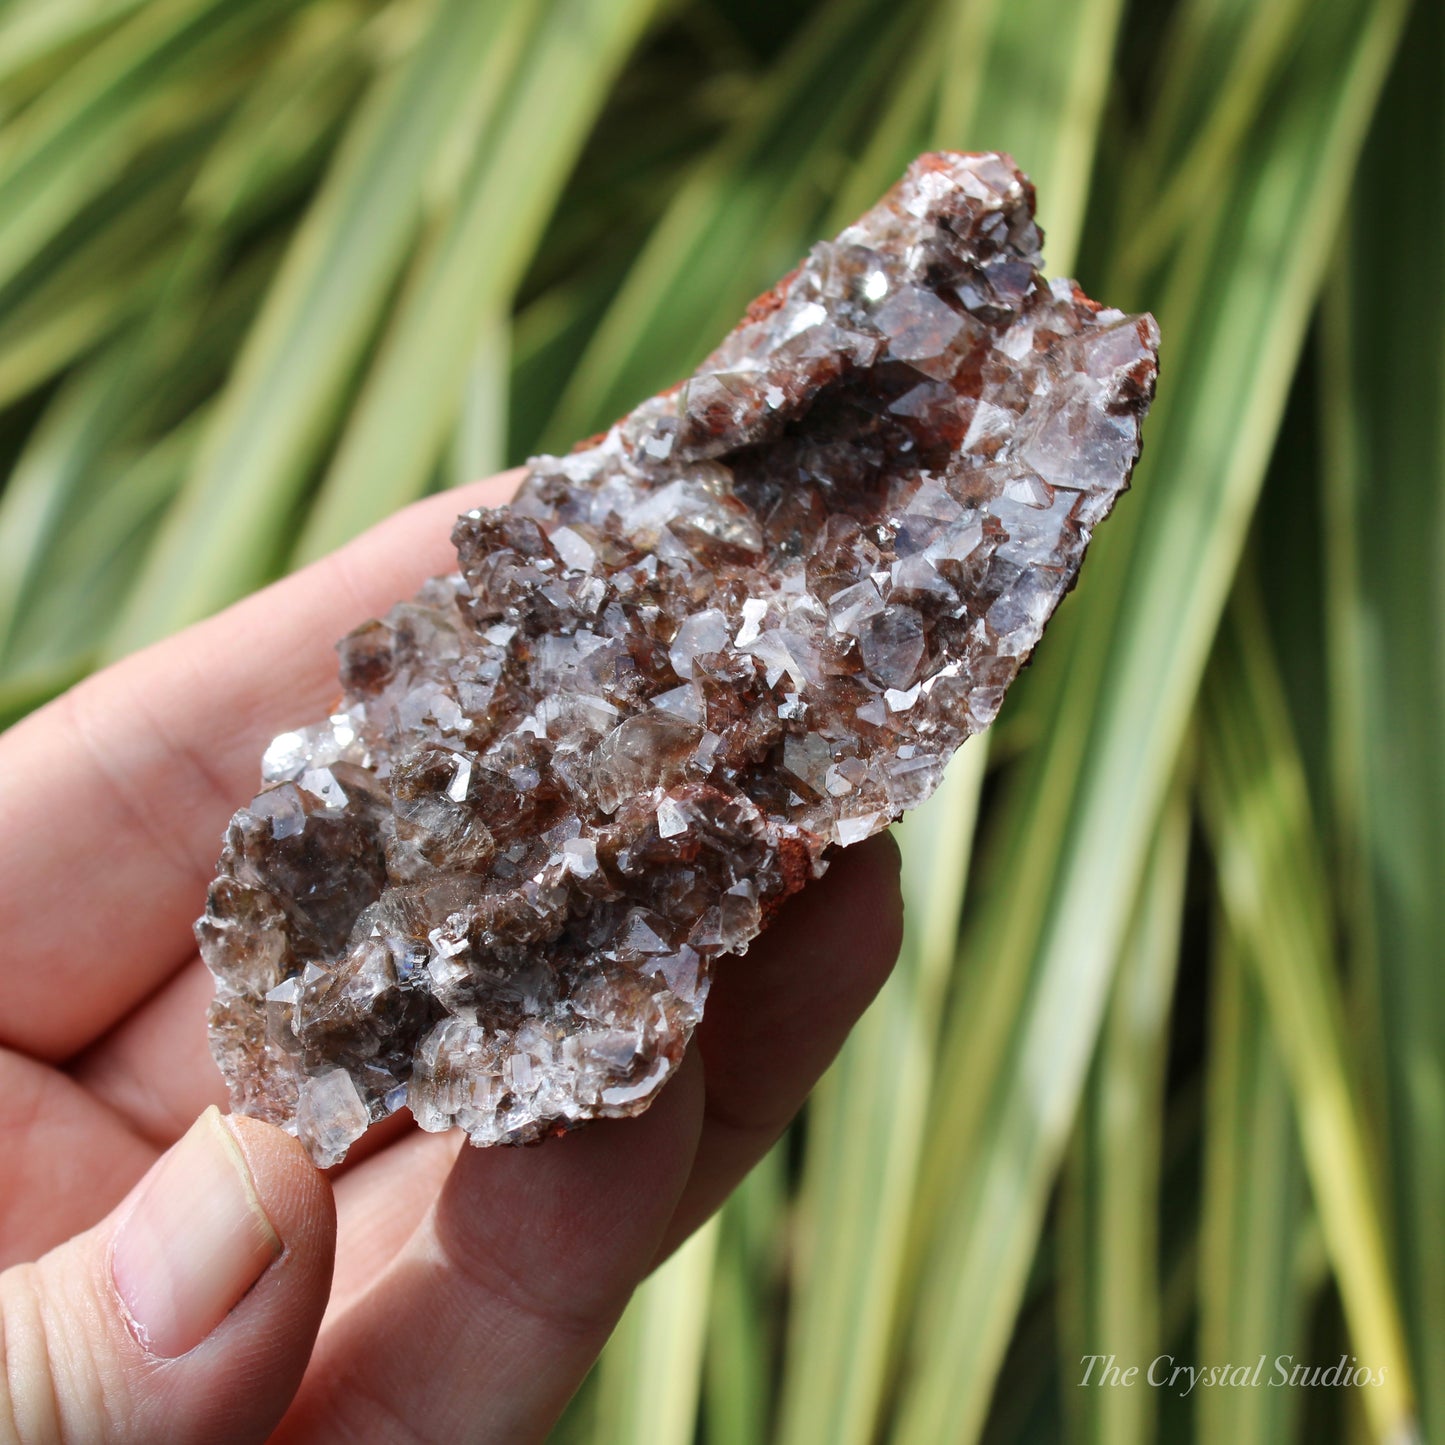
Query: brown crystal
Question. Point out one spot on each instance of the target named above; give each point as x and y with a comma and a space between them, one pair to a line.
750, 623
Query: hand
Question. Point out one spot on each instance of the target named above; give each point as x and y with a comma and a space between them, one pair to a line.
203, 1281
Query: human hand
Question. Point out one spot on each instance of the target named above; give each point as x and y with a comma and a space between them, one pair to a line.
210, 1288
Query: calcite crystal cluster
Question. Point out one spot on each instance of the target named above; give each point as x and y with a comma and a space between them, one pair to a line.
750, 623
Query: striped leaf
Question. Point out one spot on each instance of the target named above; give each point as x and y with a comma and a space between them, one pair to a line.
1109, 1235
414, 393
1060, 887
229, 526
1385, 517
1276, 899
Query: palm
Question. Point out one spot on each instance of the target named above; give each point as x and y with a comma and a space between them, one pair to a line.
112, 802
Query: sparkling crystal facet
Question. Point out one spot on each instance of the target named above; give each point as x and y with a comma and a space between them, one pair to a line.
750, 622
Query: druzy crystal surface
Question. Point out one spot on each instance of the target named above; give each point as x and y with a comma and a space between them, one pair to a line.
748, 624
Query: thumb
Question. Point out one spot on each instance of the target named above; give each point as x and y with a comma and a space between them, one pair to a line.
188, 1313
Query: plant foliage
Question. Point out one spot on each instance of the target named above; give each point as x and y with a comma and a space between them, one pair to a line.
1162, 1069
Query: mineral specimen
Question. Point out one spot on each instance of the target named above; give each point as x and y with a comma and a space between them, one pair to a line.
749, 623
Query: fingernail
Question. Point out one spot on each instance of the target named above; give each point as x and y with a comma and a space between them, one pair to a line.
194, 1242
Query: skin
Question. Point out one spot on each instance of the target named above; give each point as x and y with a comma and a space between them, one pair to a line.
426, 1290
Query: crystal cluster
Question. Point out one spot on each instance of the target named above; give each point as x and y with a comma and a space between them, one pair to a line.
749, 623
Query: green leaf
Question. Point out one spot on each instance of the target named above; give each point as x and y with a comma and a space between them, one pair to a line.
649, 1374
738, 1360
1385, 594
111, 104
479, 447
1277, 900
55, 465
1060, 888
1029, 78
740, 220
1109, 1236
867, 1127
742, 1333
1251, 1303
25, 692
1202, 127
467, 276
129, 412
38, 35
227, 529
97, 549
305, 92
108, 277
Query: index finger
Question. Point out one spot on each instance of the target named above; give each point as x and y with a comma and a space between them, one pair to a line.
113, 798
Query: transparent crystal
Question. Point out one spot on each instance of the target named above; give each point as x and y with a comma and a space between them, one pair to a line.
749, 623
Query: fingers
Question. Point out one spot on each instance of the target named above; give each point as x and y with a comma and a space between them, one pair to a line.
66, 1158
777, 1016
781, 1009
155, 1067
374, 1223
188, 1313
121, 788
485, 1322
546, 1264
512, 1279
775, 1019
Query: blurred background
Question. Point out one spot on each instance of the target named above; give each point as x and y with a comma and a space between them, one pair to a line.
1162, 1070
